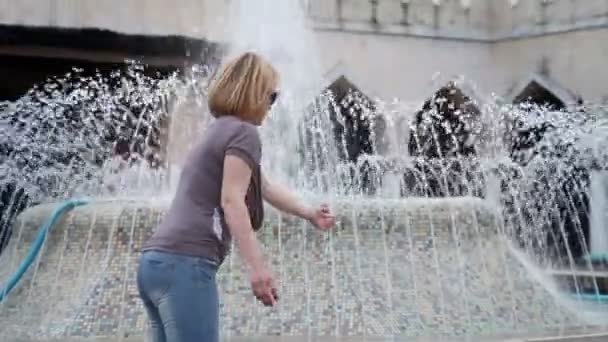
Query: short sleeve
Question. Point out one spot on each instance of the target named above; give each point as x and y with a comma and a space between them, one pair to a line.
245, 143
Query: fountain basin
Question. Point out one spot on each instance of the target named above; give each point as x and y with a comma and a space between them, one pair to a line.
412, 268
590, 284
570, 338
587, 279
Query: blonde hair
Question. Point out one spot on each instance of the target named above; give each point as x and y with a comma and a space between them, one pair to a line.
243, 88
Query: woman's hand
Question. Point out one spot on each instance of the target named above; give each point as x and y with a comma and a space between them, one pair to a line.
262, 284
283, 200
322, 218
237, 175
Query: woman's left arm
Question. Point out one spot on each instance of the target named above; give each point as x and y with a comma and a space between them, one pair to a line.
283, 200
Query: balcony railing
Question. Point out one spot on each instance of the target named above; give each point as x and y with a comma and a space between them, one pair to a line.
470, 19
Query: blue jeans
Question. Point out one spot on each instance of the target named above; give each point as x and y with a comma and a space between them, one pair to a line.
180, 296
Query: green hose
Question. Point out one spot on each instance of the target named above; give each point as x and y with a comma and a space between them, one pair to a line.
37, 245
597, 257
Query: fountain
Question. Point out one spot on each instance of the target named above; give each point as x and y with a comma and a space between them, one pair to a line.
599, 203
589, 279
476, 240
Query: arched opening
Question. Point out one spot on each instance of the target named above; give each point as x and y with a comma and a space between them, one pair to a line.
444, 127
355, 126
442, 137
338, 133
536, 93
351, 114
566, 233
533, 99
66, 123
58, 126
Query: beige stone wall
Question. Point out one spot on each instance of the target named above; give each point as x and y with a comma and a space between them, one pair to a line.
470, 19
494, 44
411, 69
576, 60
195, 18
400, 67
538, 16
419, 17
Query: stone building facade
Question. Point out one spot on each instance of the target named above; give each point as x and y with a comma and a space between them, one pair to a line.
387, 48
547, 50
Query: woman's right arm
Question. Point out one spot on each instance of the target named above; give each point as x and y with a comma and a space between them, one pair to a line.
236, 179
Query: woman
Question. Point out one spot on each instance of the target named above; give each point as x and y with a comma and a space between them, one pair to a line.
219, 197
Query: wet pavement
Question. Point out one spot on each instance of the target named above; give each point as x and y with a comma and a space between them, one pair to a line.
573, 338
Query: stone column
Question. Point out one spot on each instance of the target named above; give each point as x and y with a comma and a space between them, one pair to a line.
405, 12
466, 6
436, 5
543, 12
53, 13
374, 18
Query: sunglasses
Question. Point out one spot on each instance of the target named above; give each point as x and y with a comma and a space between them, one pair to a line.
273, 97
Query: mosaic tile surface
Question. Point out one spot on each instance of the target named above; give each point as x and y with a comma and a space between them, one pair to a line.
408, 267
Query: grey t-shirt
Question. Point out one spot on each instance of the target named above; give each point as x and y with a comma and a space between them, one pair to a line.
194, 224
